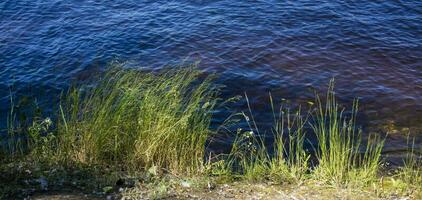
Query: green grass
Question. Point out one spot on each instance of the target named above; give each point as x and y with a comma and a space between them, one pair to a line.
132, 120
141, 120
409, 176
136, 121
342, 158
286, 161
411, 171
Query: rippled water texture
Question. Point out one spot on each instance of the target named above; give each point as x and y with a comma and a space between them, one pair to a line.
373, 49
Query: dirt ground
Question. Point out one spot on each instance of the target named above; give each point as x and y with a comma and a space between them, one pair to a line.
234, 191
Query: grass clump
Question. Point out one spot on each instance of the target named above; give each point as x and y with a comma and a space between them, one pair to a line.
132, 120
286, 161
135, 121
28, 133
411, 171
140, 120
409, 176
342, 159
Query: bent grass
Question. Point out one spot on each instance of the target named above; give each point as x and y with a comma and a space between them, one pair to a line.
342, 159
287, 161
409, 176
134, 121
140, 120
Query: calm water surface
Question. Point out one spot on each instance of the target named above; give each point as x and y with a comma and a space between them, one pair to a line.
373, 49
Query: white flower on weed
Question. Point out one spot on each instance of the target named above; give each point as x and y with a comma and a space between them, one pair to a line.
249, 134
47, 121
246, 118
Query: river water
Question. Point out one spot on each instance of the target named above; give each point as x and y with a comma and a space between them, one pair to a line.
373, 49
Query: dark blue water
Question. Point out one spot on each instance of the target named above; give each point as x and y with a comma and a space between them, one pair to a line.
373, 49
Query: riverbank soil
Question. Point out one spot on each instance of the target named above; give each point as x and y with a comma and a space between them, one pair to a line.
23, 181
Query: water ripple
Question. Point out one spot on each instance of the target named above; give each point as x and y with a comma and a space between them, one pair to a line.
372, 48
